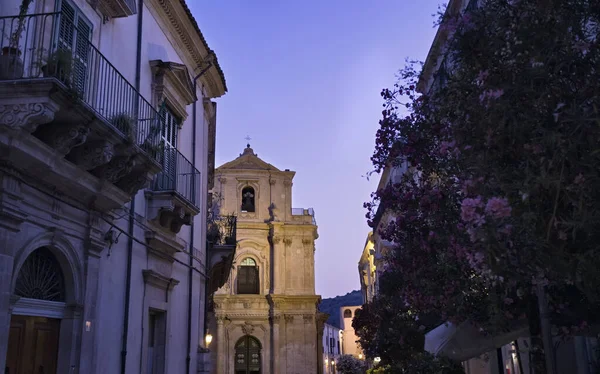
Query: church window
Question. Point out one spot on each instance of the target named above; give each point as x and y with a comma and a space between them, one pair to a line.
347, 313
247, 282
248, 200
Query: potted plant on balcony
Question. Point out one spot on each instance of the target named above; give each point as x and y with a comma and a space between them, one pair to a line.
11, 65
59, 65
126, 124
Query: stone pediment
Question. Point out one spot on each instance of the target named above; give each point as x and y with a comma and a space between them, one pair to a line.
248, 161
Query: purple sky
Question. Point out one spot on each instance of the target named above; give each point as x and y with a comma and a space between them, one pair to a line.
304, 79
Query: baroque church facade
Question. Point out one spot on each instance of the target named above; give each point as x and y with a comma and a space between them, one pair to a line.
265, 318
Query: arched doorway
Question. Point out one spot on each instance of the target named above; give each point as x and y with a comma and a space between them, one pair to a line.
34, 335
247, 356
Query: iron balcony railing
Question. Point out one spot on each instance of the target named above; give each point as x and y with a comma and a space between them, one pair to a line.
305, 212
178, 176
222, 230
50, 45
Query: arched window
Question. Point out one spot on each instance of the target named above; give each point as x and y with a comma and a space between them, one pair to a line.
248, 199
247, 356
347, 313
247, 277
41, 277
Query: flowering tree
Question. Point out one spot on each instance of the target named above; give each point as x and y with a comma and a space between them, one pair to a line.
348, 364
387, 329
503, 192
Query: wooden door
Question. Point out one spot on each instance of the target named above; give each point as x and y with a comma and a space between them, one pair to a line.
32, 345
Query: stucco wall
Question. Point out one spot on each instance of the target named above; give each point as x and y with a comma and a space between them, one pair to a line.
103, 291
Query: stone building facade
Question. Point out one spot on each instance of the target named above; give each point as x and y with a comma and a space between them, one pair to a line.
265, 316
105, 165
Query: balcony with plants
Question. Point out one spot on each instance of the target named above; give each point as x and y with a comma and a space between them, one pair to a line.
221, 243
69, 117
174, 194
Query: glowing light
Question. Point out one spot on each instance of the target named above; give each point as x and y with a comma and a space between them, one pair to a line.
377, 359
208, 339
360, 356
88, 326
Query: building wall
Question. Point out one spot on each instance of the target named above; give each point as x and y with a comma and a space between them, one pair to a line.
331, 353
283, 315
99, 274
349, 341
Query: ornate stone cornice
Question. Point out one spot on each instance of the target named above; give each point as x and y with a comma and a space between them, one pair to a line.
185, 36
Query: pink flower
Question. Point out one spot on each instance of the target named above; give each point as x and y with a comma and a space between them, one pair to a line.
498, 207
482, 76
445, 146
469, 208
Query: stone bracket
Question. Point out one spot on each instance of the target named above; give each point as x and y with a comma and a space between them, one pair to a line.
162, 245
169, 211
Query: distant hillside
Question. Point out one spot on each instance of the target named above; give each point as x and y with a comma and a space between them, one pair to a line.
332, 306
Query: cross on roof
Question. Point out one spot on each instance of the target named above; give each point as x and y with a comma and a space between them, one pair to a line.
248, 138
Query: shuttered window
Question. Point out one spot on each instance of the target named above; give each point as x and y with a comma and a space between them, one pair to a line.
74, 35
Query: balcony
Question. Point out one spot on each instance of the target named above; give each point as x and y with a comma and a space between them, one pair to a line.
302, 215
69, 120
221, 244
174, 195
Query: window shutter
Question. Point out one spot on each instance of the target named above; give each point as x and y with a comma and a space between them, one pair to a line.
81, 55
67, 26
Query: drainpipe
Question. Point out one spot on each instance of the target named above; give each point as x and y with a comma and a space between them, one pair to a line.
132, 204
191, 274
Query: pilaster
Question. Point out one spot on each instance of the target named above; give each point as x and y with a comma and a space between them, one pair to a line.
6, 268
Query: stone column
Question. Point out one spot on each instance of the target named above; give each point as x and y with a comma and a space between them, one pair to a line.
276, 344
221, 344
88, 339
321, 318
11, 217
6, 268
278, 259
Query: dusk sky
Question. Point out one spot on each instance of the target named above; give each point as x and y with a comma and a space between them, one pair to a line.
304, 79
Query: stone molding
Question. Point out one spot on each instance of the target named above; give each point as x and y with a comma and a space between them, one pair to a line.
93, 154
247, 328
163, 246
12, 214
27, 116
169, 211
155, 279
66, 137
171, 81
182, 36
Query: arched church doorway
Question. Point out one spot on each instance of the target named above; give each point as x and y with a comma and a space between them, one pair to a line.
247, 356
34, 326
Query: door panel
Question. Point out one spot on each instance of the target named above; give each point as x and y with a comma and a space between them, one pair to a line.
16, 338
33, 345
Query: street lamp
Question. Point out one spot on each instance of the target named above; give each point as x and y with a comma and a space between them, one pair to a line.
208, 339
360, 356
377, 360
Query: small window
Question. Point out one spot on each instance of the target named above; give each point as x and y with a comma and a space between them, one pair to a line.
247, 282
347, 313
248, 199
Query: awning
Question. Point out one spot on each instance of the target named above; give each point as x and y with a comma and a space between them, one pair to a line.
465, 341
